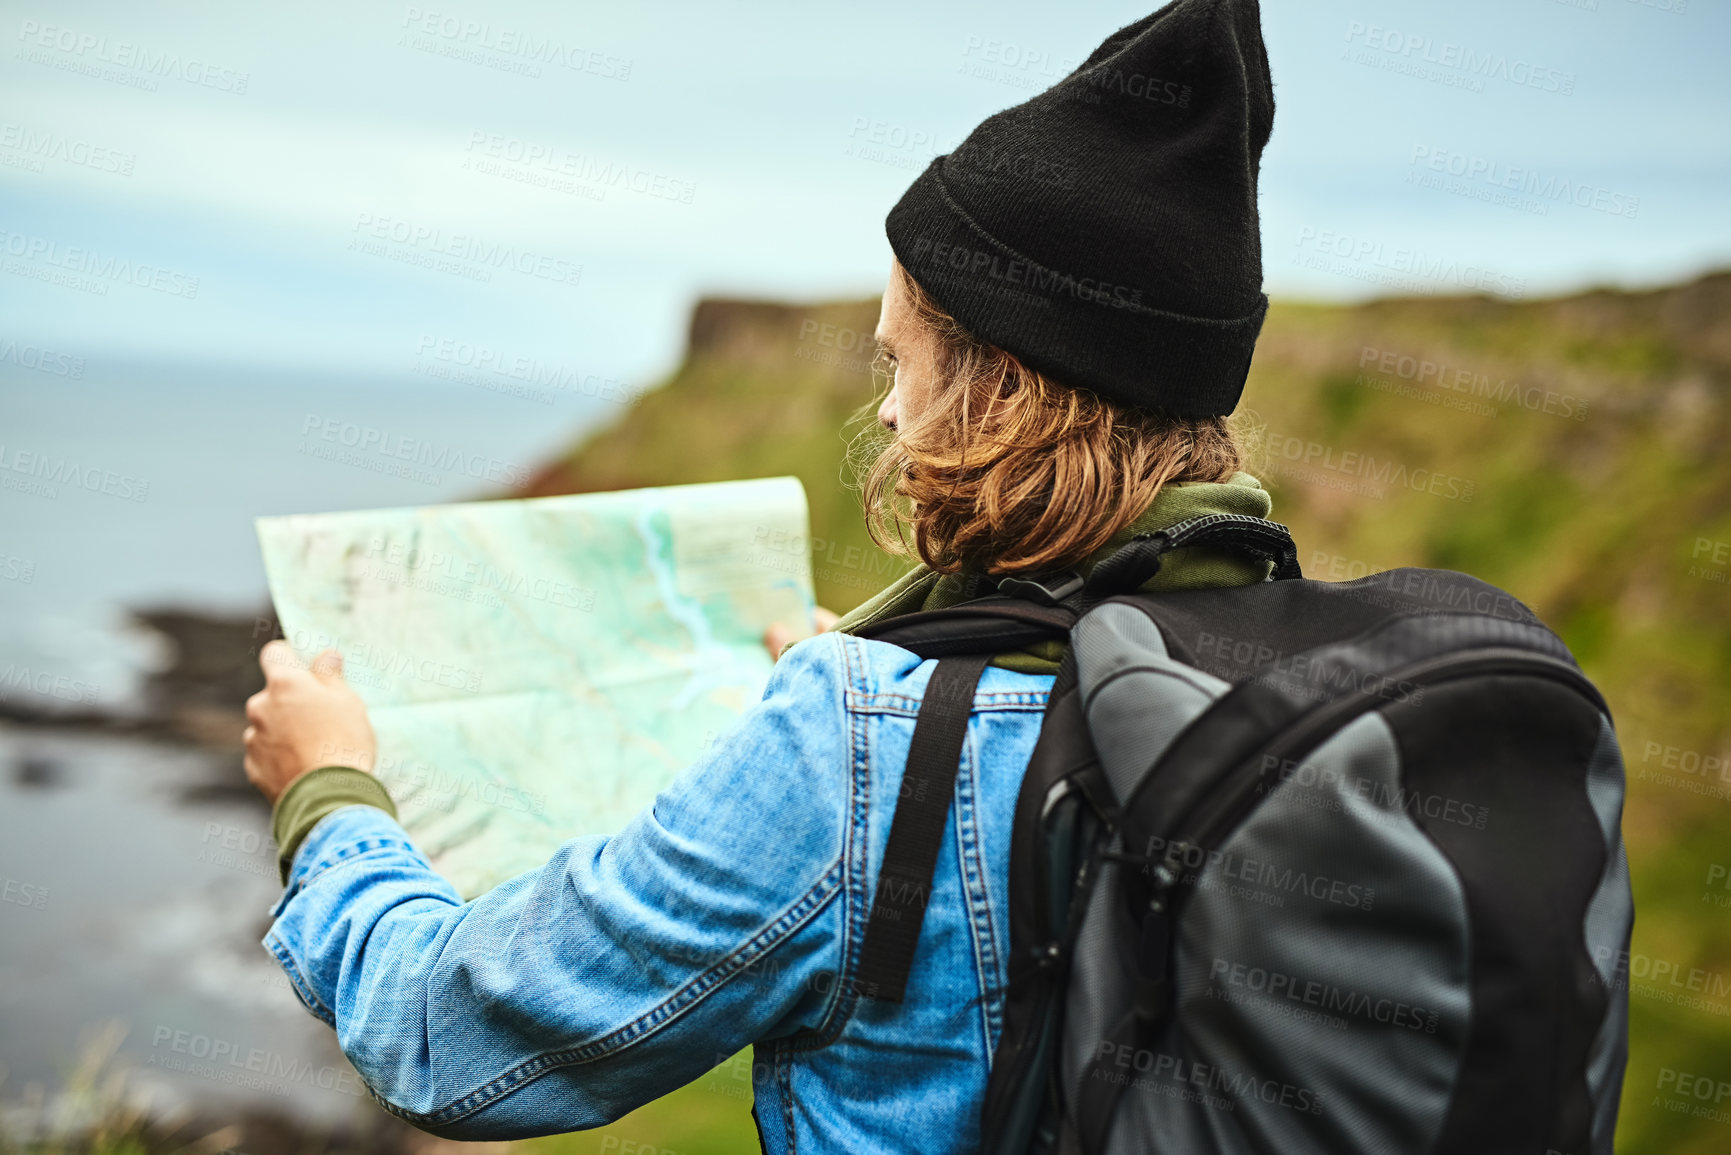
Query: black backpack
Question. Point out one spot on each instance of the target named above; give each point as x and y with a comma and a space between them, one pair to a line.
1297, 867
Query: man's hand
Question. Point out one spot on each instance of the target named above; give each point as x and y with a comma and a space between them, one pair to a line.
303, 719
777, 637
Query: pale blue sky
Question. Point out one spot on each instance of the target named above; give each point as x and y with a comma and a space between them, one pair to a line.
751, 108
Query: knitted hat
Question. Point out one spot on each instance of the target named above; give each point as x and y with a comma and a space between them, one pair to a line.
1105, 232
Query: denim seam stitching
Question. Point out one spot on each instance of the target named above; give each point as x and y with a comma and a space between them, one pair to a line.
854, 688
976, 897
313, 830
279, 950
349, 853
840, 1010
885, 702
858, 849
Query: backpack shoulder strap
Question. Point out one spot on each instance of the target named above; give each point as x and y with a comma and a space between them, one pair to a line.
922, 810
985, 625
1040, 608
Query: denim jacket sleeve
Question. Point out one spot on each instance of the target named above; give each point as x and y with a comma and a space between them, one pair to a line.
625, 967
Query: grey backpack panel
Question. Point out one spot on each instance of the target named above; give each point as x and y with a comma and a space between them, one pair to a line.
1256, 920
1321, 1001
1136, 700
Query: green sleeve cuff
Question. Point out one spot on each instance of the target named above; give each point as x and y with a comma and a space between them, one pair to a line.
314, 795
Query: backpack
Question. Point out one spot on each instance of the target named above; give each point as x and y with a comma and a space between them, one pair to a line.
1296, 867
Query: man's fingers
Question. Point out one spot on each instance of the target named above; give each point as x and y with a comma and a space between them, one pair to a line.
328, 665
255, 712
777, 637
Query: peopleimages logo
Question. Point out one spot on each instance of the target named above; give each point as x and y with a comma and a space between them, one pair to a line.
441, 790
43, 145
104, 267
1044, 283
1442, 375
1121, 1063
1657, 971
227, 1061
375, 234
364, 660
40, 359
82, 48
1523, 179
1138, 85
519, 46
1397, 265
47, 471
1009, 55
25, 894
411, 558
1324, 996
1333, 781
1466, 64
531, 371
1208, 868
450, 458
988, 161
1323, 465
867, 130
578, 166
44, 684
1301, 671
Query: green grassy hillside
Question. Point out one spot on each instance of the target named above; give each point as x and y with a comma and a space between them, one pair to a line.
765, 389
1571, 451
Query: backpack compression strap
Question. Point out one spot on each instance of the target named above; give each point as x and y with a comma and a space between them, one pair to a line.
905, 880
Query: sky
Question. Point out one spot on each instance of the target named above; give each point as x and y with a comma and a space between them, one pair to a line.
306, 188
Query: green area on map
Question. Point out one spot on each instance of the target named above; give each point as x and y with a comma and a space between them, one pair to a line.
539, 669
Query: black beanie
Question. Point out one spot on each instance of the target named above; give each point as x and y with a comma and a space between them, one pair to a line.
1105, 232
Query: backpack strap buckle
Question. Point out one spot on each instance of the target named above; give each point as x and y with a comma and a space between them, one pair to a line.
1049, 589
1139, 560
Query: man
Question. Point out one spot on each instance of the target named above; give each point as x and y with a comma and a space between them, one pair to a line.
1071, 314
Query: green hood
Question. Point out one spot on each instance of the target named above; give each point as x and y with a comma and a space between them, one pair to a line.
1188, 569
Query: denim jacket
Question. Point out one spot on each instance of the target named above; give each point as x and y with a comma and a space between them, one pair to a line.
731, 912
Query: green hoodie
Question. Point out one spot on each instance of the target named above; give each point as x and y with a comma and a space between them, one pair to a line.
1188, 569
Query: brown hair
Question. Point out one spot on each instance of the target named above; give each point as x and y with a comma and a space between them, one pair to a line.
1008, 471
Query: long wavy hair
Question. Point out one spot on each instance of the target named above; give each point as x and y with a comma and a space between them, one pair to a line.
1008, 471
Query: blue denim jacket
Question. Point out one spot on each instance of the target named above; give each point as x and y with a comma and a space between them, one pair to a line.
731, 912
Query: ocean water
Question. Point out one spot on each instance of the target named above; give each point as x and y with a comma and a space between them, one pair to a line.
135, 877
136, 486
135, 888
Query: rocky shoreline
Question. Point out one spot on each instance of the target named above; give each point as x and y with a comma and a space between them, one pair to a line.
198, 699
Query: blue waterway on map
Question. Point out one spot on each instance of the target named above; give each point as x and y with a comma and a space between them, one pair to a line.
709, 662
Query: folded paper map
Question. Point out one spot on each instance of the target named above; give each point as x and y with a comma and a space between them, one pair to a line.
539, 669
